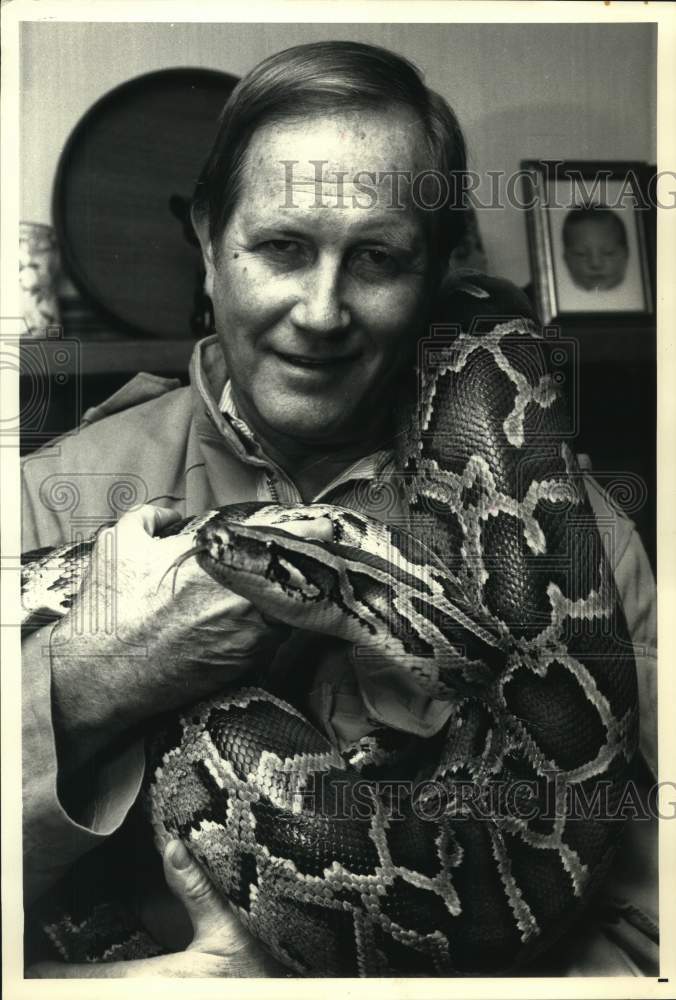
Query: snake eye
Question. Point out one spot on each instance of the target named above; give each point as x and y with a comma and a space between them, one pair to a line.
291, 579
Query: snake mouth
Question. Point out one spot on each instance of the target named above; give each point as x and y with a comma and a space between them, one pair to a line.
217, 553
253, 561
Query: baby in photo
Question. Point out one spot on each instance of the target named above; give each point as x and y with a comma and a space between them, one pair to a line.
595, 248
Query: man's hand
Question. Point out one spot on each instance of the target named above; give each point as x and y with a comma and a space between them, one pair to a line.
146, 635
220, 948
216, 931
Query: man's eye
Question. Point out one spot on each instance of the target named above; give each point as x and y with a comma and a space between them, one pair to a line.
283, 250
375, 263
284, 246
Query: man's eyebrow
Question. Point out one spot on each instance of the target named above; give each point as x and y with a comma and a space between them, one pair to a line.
407, 237
290, 224
272, 227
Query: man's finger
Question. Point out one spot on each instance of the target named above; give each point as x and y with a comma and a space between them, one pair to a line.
209, 915
148, 518
320, 528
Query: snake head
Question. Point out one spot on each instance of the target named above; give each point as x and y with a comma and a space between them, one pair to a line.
275, 570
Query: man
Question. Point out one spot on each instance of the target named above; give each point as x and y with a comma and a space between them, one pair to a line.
323, 267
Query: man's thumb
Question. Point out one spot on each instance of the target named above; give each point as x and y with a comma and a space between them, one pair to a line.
209, 915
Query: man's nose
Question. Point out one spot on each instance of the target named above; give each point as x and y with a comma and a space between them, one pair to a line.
320, 307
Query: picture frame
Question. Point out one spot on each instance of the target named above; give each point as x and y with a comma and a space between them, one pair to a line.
591, 239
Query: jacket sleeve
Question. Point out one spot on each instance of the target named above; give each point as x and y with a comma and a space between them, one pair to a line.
636, 586
55, 837
638, 593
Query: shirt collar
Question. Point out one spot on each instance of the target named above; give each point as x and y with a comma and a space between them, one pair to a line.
227, 403
210, 379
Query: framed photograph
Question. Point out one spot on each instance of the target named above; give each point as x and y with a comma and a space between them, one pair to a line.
590, 236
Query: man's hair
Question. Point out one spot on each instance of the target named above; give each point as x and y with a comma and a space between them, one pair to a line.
593, 213
323, 77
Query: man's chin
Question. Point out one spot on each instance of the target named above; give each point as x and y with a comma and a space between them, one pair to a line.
314, 433
311, 425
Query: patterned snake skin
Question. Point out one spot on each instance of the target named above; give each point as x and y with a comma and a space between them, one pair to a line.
467, 853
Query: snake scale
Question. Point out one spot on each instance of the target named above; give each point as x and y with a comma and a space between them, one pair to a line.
460, 854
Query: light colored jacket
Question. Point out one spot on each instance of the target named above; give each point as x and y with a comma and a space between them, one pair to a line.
157, 441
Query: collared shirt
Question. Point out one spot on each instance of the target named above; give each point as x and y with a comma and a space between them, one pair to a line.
368, 469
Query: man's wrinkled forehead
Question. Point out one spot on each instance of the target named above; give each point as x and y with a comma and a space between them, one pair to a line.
353, 159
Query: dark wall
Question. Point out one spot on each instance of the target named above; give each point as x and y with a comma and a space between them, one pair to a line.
618, 431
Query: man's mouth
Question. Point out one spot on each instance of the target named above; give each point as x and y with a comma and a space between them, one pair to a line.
312, 361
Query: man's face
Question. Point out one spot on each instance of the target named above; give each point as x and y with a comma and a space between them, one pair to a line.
595, 256
317, 297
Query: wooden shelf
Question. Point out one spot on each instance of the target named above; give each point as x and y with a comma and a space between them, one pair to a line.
110, 357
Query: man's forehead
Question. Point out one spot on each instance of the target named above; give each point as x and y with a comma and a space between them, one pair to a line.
348, 146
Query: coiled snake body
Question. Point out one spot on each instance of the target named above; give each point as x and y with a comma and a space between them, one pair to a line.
462, 854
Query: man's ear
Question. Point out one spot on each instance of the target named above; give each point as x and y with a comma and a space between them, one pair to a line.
200, 223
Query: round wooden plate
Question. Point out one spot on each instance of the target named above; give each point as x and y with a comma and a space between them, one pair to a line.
122, 188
